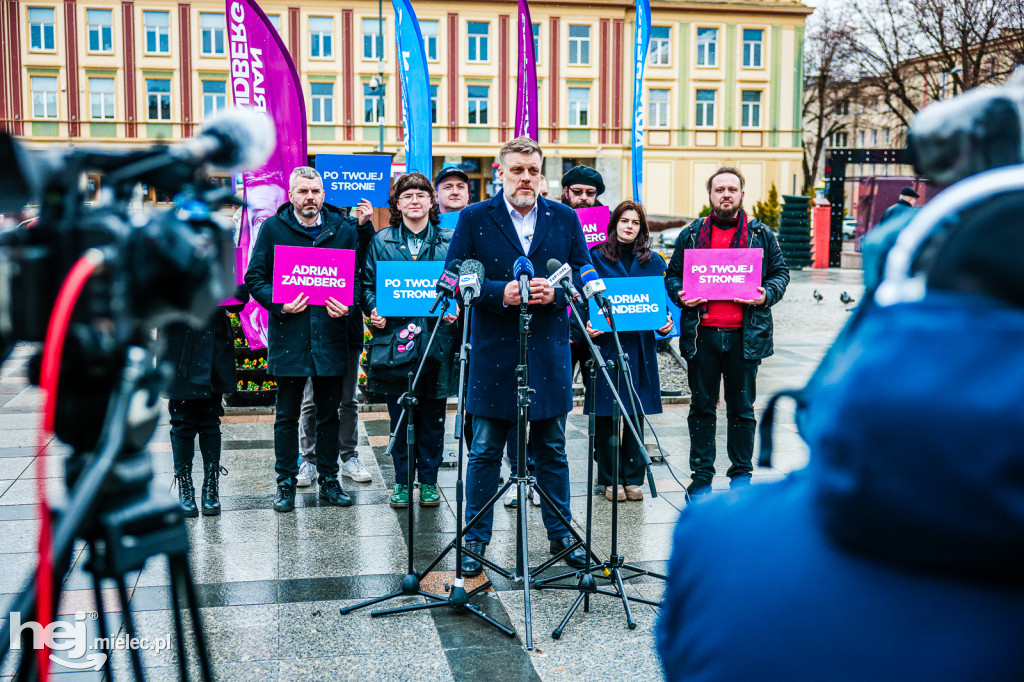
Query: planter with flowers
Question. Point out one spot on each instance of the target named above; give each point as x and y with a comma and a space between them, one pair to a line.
255, 387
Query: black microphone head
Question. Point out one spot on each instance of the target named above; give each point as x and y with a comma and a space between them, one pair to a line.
454, 265
246, 138
553, 266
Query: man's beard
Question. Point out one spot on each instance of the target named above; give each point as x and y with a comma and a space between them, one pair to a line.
572, 202
309, 211
519, 201
728, 214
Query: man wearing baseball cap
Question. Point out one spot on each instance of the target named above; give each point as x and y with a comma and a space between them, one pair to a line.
452, 187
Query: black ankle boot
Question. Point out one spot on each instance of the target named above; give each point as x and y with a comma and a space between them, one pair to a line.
211, 493
186, 491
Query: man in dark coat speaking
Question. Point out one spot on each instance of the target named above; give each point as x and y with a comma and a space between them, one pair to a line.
515, 223
304, 340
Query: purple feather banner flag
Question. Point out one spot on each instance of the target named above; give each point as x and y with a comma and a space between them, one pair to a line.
526, 90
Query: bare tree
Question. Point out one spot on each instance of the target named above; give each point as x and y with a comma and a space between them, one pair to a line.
830, 84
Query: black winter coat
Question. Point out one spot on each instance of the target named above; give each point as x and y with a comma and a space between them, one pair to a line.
438, 380
310, 343
757, 320
203, 359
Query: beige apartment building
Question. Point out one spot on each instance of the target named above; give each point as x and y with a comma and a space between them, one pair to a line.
723, 83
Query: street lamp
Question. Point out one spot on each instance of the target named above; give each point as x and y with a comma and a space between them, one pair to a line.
377, 86
945, 74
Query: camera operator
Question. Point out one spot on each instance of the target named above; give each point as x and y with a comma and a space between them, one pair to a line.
304, 341
204, 361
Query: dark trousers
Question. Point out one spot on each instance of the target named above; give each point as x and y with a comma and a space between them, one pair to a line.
720, 357
631, 468
326, 397
348, 429
511, 443
190, 418
429, 433
547, 440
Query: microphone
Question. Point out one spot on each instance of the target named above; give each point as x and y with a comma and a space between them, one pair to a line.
522, 270
593, 286
234, 138
562, 274
448, 282
471, 277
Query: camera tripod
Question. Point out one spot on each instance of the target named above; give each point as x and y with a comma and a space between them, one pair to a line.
123, 523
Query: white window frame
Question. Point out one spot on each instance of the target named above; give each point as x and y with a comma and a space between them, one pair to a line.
45, 92
840, 140
214, 96
659, 111
213, 32
378, 106
160, 96
473, 107
377, 35
705, 110
538, 29
752, 44
707, 50
751, 110
47, 29
482, 43
659, 52
428, 38
158, 31
101, 30
321, 41
105, 98
321, 108
579, 107
581, 44
434, 89
275, 21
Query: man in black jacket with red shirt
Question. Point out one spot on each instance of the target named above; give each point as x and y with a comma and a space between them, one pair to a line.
304, 340
725, 340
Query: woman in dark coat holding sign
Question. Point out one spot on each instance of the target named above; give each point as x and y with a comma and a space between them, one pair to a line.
397, 343
627, 253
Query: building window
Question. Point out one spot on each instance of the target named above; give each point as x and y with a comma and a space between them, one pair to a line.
322, 98
579, 107
158, 97
100, 24
840, 139
874, 137
579, 45
321, 37
660, 46
373, 105
158, 31
41, 28
860, 139
536, 42
476, 104
753, 46
373, 39
430, 32
477, 35
750, 114
44, 96
887, 137
214, 97
707, 42
101, 98
211, 34
705, 115
657, 106
275, 21
843, 108
433, 104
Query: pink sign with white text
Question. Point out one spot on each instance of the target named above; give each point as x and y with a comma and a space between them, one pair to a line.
317, 273
595, 224
722, 274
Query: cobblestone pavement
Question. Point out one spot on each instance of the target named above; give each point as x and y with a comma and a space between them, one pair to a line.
271, 585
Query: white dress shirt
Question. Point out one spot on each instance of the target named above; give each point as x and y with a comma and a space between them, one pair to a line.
524, 224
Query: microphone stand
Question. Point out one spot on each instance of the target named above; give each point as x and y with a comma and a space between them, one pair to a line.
457, 597
613, 567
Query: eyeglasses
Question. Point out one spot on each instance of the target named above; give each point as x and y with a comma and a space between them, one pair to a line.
419, 196
581, 192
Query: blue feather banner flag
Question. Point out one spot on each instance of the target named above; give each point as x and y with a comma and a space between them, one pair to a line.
412, 60
641, 38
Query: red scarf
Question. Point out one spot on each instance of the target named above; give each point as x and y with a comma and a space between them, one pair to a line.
740, 240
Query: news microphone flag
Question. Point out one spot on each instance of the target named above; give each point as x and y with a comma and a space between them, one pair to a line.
412, 64
640, 41
526, 85
263, 77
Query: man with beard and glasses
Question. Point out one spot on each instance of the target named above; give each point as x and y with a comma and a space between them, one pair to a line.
513, 224
581, 187
305, 341
725, 340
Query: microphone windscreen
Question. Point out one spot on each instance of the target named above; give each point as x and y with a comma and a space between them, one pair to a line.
521, 266
246, 138
553, 266
454, 265
472, 267
588, 274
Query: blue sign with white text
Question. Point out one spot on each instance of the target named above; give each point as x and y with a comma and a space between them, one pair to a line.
638, 304
407, 288
677, 314
349, 178
450, 220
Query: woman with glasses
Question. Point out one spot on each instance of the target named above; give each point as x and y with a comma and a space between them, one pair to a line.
626, 253
397, 343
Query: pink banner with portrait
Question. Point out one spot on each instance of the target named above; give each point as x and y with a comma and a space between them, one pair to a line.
317, 273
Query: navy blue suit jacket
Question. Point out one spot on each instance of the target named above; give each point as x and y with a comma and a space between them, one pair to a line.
485, 233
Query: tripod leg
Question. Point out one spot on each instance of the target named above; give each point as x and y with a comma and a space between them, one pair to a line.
630, 621
101, 619
129, 625
487, 619
561, 626
179, 628
184, 574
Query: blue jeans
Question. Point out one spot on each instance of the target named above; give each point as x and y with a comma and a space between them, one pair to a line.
547, 440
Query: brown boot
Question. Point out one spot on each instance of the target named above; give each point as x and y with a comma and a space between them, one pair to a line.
634, 492
608, 493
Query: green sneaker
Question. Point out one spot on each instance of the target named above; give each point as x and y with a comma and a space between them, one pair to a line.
400, 496
429, 496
